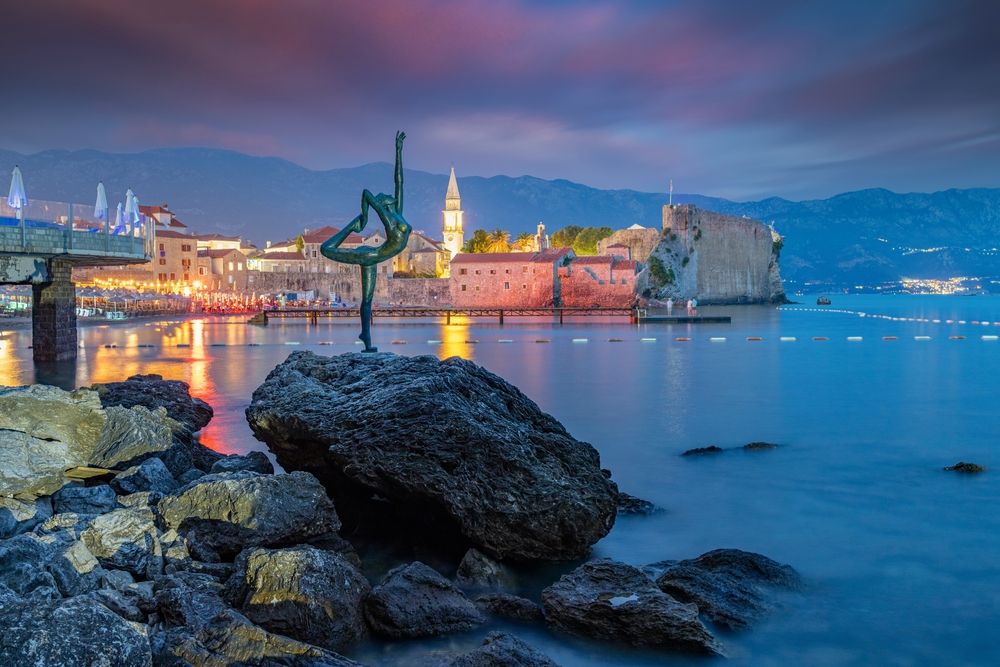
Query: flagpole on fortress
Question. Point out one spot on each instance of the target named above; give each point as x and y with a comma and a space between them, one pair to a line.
671, 193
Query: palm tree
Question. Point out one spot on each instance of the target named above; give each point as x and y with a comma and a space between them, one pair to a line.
524, 241
499, 241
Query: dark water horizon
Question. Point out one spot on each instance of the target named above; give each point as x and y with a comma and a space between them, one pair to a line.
901, 557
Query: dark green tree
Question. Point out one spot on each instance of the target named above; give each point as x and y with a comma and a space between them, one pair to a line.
480, 242
564, 237
585, 242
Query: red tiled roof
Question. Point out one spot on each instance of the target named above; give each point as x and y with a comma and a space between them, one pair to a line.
492, 258
167, 234
151, 210
281, 255
616, 245
323, 234
625, 265
551, 255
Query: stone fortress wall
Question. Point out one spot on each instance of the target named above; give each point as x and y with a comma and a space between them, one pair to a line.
718, 258
347, 287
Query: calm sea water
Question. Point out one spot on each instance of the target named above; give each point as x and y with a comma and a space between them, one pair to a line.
902, 558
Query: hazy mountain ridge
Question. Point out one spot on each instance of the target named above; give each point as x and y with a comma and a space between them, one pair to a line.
828, 240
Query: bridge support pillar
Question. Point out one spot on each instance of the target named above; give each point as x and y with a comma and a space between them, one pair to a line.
53, 316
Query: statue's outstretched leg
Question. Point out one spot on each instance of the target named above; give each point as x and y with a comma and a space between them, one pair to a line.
368, 274
331, 247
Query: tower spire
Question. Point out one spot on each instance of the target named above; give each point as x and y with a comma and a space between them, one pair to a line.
452, 194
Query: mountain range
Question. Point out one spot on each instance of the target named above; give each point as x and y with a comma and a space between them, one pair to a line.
867, 237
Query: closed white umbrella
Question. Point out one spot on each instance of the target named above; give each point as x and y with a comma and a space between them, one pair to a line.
17, 199
131, 206
120, 220
101, 207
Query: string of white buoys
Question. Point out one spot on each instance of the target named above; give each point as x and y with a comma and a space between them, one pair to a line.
984, 323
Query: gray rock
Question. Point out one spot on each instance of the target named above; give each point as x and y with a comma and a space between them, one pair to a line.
730, 587
43, 432
64, 633
133, 434
480, 571
19, 515
228, 512
69, 523
125, 539
303, 593
230, 640
631, 505
253, 462
187, 602
116, 580
191, 475
703, 450
511, 607
441, 439
415, 601
755, 446
141, 500
502, 649
150, 475
7, 596
49, 562
152, 391
610, 601
174, 550
962, 466
125, 603
85, 499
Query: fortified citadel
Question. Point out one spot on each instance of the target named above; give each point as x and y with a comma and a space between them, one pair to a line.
712, 257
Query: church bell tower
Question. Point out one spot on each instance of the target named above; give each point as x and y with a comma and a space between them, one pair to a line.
454, 237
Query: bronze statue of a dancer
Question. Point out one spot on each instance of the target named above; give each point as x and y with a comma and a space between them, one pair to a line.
397, 233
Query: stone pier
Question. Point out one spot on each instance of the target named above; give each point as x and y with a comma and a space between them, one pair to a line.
53, 318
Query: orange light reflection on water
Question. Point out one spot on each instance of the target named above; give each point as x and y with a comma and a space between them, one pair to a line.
454, 337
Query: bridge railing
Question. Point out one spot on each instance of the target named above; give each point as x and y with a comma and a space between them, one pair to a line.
82, 230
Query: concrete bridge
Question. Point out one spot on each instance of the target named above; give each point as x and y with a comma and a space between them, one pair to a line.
43, 252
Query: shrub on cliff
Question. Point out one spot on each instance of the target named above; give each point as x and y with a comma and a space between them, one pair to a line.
660, 273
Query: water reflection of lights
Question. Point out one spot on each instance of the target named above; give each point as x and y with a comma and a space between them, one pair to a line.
453, 337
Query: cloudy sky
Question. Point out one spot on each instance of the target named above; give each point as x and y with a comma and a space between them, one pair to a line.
734, 98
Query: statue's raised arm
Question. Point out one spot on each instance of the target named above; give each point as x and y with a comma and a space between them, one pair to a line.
399, 171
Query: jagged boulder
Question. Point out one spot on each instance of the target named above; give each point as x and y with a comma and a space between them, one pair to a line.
132, 604
125, 539
304, 593
228, 512
253, 462
61, 633
478, 570
230, 640
415, 601
189, 601
442, 439
19, 515
730, 587
502, 649
132, 434
150, 475
85, 499
48, 566
152, 391
511, 607
614, 602
43, 432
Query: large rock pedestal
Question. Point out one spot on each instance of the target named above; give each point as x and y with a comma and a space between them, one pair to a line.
446, 442
53, 316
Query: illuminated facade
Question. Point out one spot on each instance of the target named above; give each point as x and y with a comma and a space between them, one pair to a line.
454, 236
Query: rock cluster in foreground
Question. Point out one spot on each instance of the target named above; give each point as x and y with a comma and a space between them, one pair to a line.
443, 439
181, 557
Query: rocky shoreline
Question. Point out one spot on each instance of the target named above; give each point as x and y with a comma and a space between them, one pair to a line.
124, 541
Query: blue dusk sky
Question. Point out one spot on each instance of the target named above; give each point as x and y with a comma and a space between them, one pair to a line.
733, 98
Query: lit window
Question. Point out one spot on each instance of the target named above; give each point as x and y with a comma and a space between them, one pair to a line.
163, 262
524, 269
230, 266
477, 288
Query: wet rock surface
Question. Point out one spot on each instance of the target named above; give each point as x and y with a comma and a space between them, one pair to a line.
85, 499
415, 601
732, 588
125, 539
48, 566
227, 512
477, 570
703, 450
962, 466
252, 462
631, 505
502, 649
21, 514
132, 434
304, 593
611, 601
755, 446
446, 439
510, 607
152, 391
62, 633
150, 475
